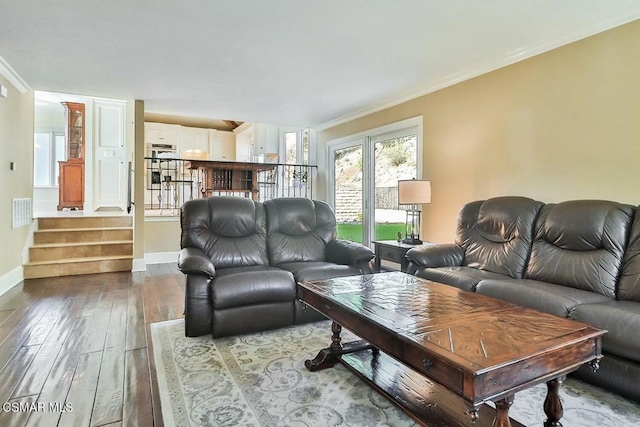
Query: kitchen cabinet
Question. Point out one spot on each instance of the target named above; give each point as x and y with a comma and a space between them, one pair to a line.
157, 133
254, 140
192, 140
223, 145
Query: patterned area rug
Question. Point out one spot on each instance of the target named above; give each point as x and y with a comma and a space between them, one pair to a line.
260, 380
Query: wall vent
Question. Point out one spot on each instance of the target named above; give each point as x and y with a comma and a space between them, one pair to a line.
21, 214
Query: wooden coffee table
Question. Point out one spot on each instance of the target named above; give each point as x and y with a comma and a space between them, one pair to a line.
441, 353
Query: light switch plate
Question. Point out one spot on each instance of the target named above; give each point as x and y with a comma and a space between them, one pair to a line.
3, 91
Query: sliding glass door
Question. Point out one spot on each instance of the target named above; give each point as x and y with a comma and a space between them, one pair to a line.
348, 191
363, 180
395, 158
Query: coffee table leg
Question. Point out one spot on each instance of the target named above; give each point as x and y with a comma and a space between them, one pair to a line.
336, 329
502, 412
552, 403
328, 357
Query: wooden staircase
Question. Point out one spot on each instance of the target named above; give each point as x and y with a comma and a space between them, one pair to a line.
67, 246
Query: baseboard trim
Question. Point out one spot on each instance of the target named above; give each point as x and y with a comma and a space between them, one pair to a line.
10, 279
139, 265
161, 257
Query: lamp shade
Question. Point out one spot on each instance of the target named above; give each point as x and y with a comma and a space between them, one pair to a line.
414, 192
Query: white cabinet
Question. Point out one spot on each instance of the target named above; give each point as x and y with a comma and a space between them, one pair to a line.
184, 141
223, 145
193, 141
158, 133
245, 140
254, 140
266, 140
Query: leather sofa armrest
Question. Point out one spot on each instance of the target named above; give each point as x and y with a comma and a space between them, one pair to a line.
348, 253
198, 310
440, 255
194, 261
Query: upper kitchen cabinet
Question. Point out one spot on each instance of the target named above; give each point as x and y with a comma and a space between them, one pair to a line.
254, 140
159, 133
185, 142
193, 142
223, 145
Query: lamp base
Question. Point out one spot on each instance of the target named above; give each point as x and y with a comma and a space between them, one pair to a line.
412, 241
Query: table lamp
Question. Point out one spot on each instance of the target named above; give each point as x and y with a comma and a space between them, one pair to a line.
413, 192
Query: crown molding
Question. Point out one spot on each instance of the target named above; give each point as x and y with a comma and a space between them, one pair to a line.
10, 74
488, 66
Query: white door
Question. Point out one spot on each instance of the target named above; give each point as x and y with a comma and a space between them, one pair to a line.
395, 157
110, 184
348, 172
364, 170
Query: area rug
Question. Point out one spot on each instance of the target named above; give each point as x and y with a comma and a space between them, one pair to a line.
260, 380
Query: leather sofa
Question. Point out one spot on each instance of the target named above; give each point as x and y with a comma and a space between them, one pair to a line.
242, 260
578, 259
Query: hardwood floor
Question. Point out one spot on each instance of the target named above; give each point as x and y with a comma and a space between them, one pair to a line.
84, 342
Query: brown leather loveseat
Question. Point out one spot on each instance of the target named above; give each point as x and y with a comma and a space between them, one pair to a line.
242, 260
578, 259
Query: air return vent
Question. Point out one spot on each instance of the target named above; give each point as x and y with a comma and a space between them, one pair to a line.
21, 214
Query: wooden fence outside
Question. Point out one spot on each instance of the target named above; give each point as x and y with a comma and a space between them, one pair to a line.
349, 202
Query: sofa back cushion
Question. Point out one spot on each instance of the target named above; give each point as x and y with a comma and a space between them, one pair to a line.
629, 283
298, 229
581, 244
230, 230
496, 234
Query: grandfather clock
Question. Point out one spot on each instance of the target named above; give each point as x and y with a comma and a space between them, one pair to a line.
71, 183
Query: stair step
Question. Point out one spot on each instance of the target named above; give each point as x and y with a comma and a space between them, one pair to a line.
57, 251
85, 222
72, 245
76, 266
77, 235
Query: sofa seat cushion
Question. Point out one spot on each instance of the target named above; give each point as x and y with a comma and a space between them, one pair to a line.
543, 296
621, 319
238, 286
465, 278
616, 374
252, 318
318, 270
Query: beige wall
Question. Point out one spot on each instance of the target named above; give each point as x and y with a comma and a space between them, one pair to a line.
16, 145
162, 236
562, 125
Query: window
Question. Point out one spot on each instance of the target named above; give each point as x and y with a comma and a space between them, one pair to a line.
295, 154
362, 182
296, 147
48, 150
291, 147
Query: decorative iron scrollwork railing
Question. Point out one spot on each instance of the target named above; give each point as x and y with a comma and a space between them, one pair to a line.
170, 182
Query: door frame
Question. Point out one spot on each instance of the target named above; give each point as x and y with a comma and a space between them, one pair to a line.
367, 139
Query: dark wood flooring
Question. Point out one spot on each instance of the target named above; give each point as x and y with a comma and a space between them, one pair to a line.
84, 342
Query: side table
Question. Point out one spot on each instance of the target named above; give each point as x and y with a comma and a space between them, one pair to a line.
391, 250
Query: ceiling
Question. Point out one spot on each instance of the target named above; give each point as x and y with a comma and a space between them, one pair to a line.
284, 62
